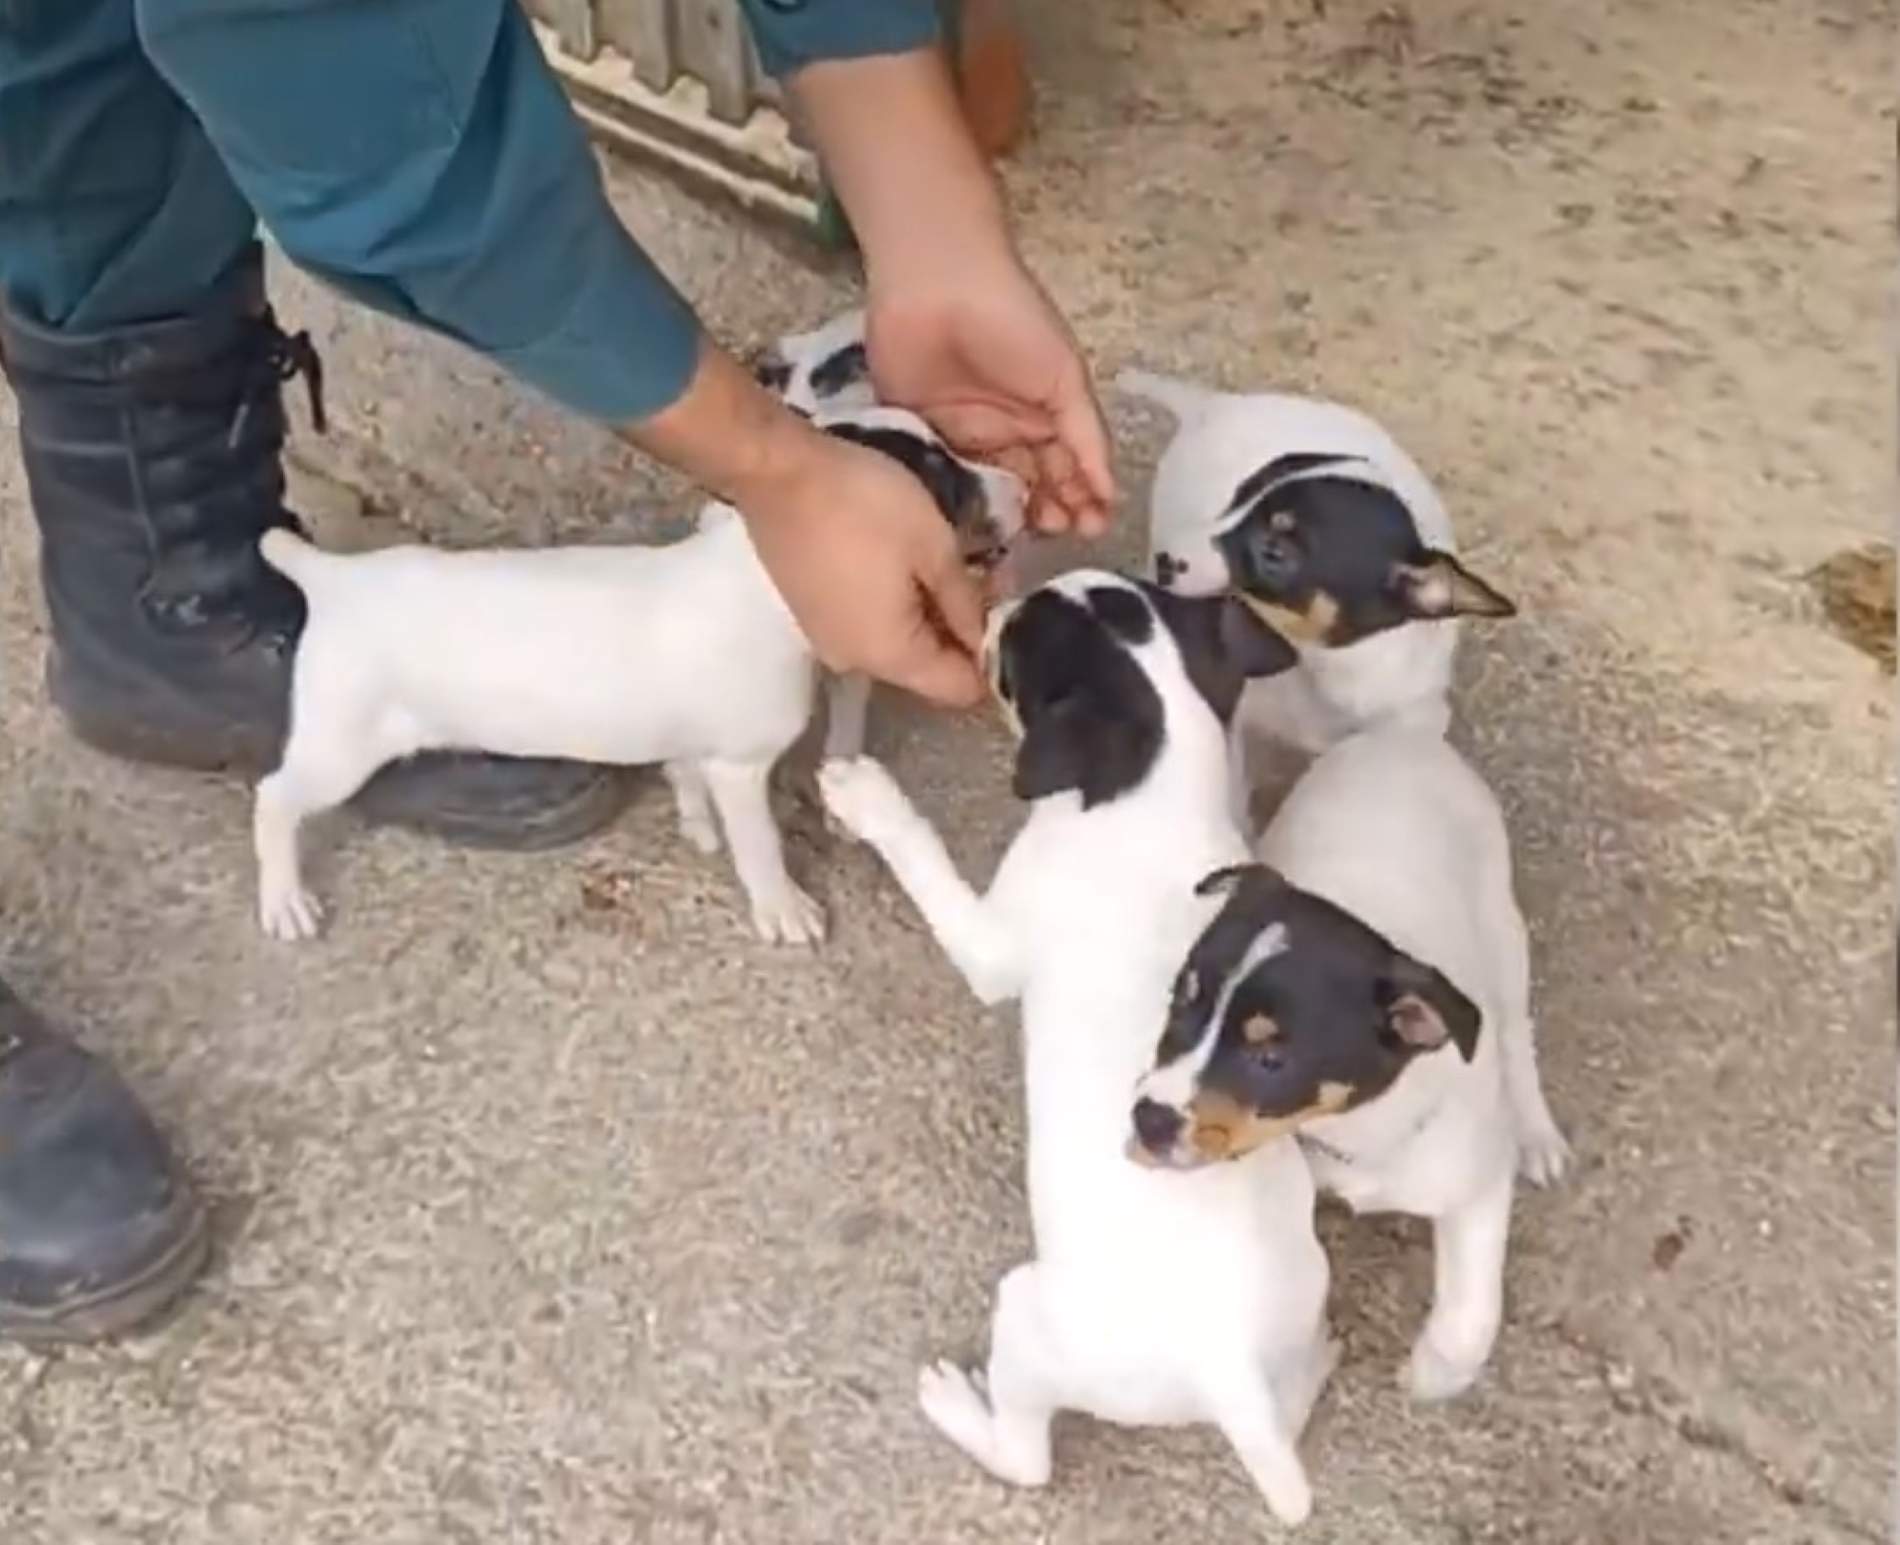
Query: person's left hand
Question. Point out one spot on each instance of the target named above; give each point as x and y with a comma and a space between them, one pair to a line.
971, 342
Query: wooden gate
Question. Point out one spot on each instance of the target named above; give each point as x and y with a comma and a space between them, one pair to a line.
679, 83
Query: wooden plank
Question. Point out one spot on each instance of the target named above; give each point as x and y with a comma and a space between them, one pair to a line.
712, 49
645, 31
573, 23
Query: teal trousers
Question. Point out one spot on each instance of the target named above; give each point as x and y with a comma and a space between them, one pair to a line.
417, 154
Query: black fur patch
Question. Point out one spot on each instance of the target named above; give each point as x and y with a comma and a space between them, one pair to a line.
837, 371
774, 375
953, 487
1091, 718
1257, 482
1318, 1012
1223, 646
1327, 542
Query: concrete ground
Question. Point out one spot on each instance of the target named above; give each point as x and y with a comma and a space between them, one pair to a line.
550, 1207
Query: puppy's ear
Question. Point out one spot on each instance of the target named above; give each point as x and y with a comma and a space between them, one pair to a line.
1222, 882
1253, 647
1441, 587
1423, 1010
1049, 757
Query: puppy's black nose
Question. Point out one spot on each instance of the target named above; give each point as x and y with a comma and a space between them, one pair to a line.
1156, 1125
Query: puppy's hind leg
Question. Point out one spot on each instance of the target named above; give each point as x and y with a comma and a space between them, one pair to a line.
1542, 1153
1001, 1418
781, 912
1298, 1384
693, 800
1245, 1407
1468, 1246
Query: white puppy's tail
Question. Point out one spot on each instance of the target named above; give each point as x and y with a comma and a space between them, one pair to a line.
1183, 399
291, 556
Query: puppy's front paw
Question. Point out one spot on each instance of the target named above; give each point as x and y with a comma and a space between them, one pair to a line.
1432, 1375
1542, 1154
786, 915
863, 798
289, 914
954, 1400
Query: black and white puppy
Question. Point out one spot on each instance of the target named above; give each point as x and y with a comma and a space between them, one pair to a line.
1366, 984
1316, 517
822, 370
683, 654
824, 373
1155, 1297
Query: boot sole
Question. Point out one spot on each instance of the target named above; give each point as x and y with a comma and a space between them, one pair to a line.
124, 1306
534, 826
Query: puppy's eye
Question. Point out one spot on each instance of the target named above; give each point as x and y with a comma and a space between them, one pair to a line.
1268, 1060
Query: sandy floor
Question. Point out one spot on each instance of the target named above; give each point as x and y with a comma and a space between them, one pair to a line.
552, 1208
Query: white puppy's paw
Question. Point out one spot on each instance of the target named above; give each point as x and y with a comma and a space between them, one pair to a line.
864, 799
1542, 1154
954, 1400
786, 915
1432, 1375
1291, 1502
289, 913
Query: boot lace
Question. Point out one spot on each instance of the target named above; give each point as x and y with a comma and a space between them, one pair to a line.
284, 357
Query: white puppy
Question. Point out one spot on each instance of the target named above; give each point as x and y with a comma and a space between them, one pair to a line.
1317, 518
1368, 985
1154, 1297
825, 372
683, 655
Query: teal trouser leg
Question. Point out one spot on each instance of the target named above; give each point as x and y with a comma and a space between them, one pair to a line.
418, 154
114, 208
421, 155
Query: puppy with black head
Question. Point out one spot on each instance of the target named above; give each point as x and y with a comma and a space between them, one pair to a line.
826, 375
683, 654
1317, 518
1366, 985
1155, 1296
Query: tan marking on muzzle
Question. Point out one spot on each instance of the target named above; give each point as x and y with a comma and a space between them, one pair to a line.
1219, 1127
1312, 626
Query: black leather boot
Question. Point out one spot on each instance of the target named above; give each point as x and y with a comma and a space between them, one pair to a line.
152, 456
98, 1229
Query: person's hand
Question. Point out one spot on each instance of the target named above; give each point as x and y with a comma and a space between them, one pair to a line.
974, 345
856, 547
870, 569
957, 329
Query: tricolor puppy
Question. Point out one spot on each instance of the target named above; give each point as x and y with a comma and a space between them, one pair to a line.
824, 370
684, 655
1366, 984
824, 373
1155, 1296
1314, 515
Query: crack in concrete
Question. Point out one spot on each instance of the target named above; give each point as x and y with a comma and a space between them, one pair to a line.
1657, 1398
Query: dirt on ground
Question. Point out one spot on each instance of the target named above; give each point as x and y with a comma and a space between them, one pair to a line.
551, 1207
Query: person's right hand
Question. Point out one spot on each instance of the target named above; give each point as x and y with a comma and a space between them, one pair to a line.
857, 548
869, 568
